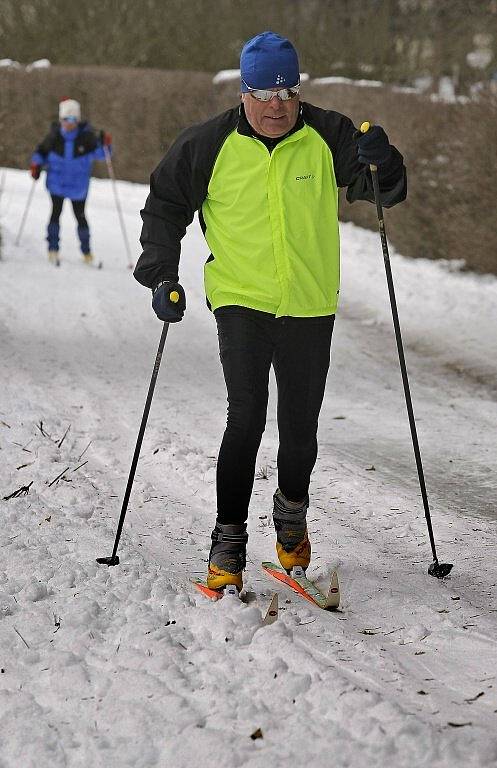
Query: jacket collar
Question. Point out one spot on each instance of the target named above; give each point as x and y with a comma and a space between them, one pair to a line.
245, 129
77, 131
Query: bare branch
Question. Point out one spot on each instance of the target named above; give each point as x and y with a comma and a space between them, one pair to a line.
80, 457
63, 436
22, 491
58, 477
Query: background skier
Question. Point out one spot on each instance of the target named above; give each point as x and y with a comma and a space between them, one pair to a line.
67, 154
264, 177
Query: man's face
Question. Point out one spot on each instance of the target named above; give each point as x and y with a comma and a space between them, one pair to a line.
69, 123
271, 118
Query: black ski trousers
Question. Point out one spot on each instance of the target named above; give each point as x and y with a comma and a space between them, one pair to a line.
78, 207
299, 350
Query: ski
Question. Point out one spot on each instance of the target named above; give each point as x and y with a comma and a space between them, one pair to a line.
272, 611
93, 264
212, 594
269, 617
299, 582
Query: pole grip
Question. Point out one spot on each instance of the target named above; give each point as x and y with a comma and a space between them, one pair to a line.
365, 126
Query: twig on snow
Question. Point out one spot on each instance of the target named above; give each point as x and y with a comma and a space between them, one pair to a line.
63, 436
58, 477
80, 457
40, 427
81, 465
474, 698
21, 466
23, 640
22, 491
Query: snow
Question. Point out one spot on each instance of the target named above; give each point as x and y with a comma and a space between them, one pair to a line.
129, 666
226, 75
38, 64
480, 59
406, 89
10, 64
335, 80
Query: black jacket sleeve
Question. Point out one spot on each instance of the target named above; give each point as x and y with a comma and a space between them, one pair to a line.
338, 132
178, 187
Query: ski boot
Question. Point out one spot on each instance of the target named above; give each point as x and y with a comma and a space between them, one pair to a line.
292, 542
53, 257
227, 557
88, 258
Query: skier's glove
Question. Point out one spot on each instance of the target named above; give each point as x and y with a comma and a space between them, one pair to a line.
169, 301
373, 147
105, 138
35, 170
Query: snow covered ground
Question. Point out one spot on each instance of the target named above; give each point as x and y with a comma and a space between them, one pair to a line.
129, 666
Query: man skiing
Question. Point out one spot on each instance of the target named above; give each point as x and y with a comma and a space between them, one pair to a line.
264, 177
67, 154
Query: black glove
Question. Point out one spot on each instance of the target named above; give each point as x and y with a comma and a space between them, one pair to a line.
373, 147
169, 301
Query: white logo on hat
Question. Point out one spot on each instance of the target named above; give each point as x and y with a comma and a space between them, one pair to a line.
280, 79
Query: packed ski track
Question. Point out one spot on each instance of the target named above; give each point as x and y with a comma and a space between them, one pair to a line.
130, 666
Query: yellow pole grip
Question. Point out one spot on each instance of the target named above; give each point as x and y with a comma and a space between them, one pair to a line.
364, 129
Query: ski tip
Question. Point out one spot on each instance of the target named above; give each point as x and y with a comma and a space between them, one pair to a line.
329, 600
333, 593
272, 612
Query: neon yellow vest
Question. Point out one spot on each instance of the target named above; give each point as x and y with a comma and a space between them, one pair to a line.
272, 226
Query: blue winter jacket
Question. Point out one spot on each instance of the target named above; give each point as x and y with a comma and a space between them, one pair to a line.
68, 157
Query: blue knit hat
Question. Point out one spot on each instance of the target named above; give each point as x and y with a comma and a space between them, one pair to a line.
268, 61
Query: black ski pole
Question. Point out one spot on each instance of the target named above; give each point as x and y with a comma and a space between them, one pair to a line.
114, 559
435, 569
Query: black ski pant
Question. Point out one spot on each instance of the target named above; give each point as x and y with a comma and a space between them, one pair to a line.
299, 350
78, 207
53, 230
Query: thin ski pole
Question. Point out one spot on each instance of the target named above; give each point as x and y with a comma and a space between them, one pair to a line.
435, 569
25, 214
112, 177
114, 559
